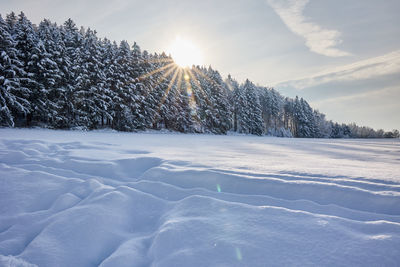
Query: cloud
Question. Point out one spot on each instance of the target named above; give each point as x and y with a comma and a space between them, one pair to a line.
384, 95
365, 69
377, 108
319, 40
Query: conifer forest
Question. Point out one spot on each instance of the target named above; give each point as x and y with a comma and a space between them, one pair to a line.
65, 77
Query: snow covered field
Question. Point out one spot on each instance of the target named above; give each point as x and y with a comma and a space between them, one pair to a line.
71, 198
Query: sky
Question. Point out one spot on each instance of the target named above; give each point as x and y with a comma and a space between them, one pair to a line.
342, 56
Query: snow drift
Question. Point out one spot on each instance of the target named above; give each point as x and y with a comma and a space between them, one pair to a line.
121, 199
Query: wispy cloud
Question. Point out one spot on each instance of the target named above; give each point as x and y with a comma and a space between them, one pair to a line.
385, 95
365, 69
319, 40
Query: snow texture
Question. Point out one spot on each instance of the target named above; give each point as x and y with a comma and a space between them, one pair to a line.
104, 198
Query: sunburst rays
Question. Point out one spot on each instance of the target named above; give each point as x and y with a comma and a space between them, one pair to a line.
170, 85
179, 78
164, 76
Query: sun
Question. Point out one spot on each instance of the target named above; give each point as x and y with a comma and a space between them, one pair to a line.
185, 53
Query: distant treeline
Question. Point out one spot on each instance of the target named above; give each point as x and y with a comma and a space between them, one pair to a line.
63, 77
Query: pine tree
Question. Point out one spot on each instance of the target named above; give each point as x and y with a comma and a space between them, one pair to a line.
13, 96
240, 108
138, 71
92, 102
162, 65
305, 119
219, 95
253, 118
52, 60
70, 67
288, 117
112, 81
32, 54
123, 85
200, 98
183, 121
233, 87
149, 105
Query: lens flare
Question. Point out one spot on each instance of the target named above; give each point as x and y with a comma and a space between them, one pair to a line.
218, 188
238, 254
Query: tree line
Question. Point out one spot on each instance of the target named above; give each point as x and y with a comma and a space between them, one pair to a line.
62, 77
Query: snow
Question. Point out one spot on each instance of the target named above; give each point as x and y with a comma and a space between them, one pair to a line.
105, 198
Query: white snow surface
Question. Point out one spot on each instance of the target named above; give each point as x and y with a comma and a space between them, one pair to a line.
104, 198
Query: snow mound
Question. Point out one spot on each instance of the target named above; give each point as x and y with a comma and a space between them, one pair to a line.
11, 261
122, 199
